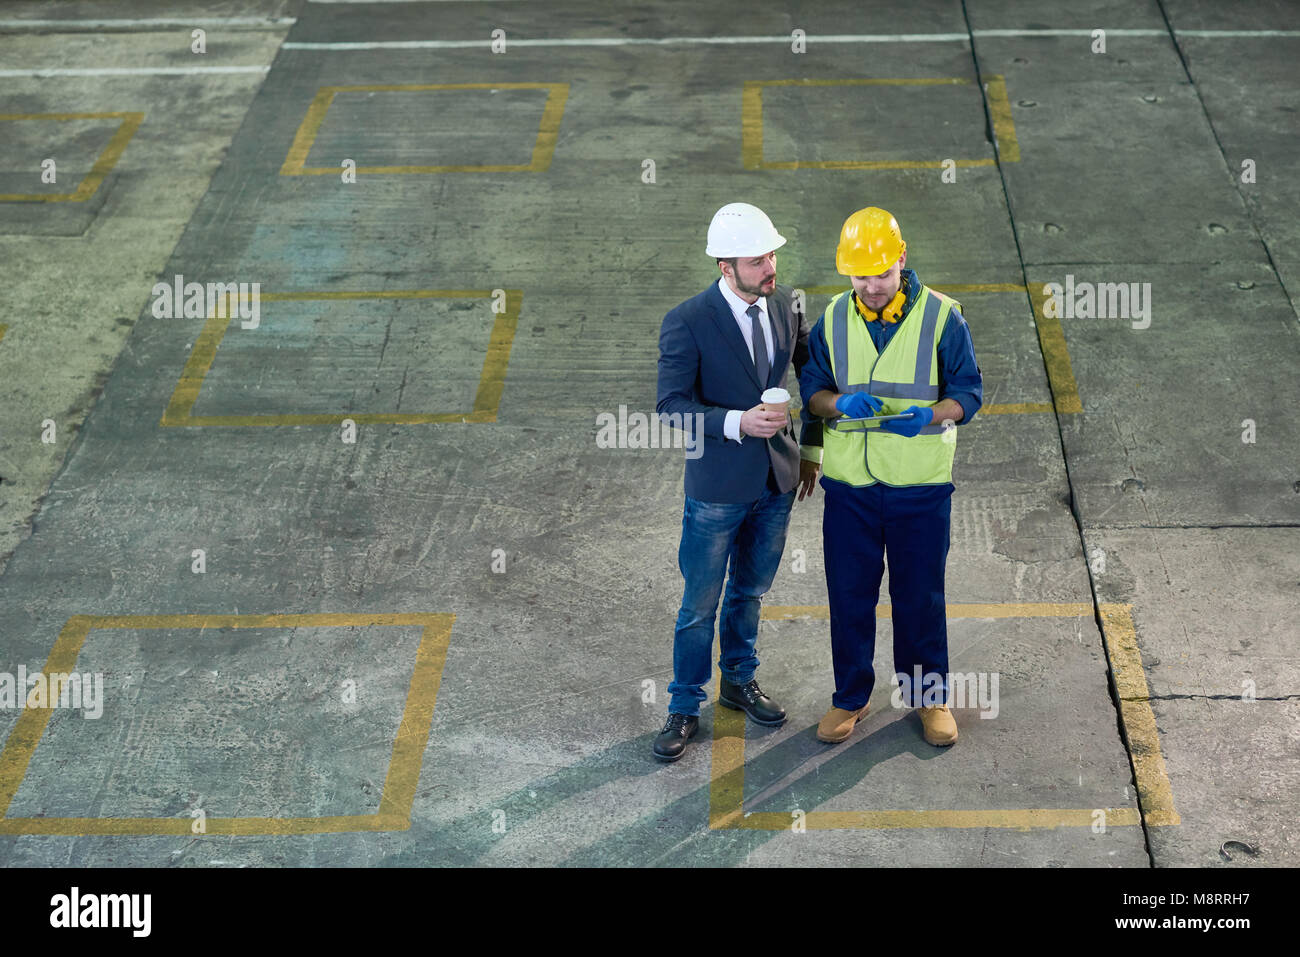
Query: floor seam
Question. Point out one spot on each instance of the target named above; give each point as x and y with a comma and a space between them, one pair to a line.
1065, 458
1173, 37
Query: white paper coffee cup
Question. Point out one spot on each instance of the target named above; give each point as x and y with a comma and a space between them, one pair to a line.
776, 400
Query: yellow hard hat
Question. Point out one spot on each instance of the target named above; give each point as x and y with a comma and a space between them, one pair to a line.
870, 243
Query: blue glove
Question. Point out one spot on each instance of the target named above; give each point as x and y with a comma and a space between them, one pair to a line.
858, 405
908, 428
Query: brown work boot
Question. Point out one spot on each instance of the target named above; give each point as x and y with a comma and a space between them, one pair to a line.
838, 724
940, 728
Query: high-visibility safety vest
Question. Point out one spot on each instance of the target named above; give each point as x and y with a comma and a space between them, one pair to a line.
906, 373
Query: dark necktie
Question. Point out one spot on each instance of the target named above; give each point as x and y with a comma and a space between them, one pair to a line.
761, 361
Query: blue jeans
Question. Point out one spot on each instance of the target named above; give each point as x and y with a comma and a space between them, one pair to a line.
750, 537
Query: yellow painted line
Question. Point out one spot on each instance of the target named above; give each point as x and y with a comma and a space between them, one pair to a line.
108, 159
871, 164
404, 765
390, 170
1016, 408
870, 81
1139, 720
425, 87
963, 610
543, 148
196, 368
390, 294
307, 130
1020, 820
6, 117
379, 418
487, 399
751, 124
981, 287
130, 122
214, 826
727, 781
417, 717
330, 418
493, 380
1004, 128
548, 131
316, 620
945, 288
727, 777
1060, 373
26, 734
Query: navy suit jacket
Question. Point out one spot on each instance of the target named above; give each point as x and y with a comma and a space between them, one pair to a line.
705, 367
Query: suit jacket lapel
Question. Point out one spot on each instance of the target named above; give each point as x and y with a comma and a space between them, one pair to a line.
726, 323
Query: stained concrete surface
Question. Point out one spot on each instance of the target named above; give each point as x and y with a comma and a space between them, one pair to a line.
558, 558
77, 273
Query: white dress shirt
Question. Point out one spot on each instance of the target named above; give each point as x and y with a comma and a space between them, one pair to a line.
731, 426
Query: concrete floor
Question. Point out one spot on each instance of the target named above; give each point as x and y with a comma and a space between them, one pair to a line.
449, 642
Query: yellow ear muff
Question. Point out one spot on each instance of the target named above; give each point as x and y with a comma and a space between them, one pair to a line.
894, 311
891, 313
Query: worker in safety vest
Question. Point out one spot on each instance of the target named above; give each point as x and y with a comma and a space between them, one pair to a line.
890, 345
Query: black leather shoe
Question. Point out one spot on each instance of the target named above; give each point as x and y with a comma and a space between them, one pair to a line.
751, 700
678, 729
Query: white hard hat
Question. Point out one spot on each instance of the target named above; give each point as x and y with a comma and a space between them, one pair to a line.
739, 229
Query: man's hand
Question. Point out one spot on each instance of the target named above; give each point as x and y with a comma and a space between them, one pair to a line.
909, 428
858, 405
762, 424
807, 477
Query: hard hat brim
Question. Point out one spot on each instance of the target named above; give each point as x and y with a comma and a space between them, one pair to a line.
741, 252
848, 266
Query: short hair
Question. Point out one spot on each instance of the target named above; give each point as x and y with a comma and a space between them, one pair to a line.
726, 259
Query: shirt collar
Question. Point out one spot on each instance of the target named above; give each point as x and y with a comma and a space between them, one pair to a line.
739, 308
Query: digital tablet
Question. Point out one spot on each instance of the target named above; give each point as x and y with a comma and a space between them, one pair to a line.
857, 425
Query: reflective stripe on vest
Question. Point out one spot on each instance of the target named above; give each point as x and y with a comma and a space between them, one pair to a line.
899, 379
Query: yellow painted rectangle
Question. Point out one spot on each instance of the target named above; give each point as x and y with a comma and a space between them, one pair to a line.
179, 411
727, 784
751, 124
403, 769
543, 147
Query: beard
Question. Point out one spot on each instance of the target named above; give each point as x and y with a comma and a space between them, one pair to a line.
764, 288
877, 303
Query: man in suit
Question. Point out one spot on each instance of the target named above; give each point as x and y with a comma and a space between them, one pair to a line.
718, 353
